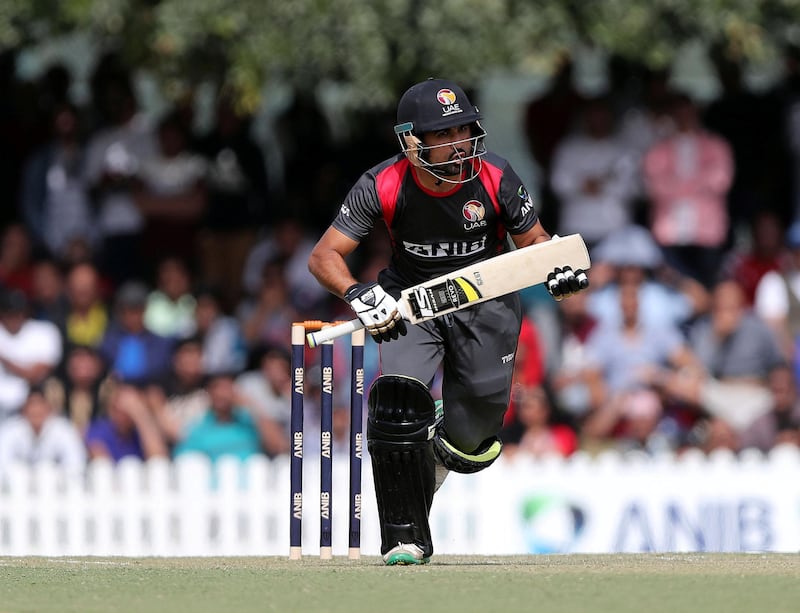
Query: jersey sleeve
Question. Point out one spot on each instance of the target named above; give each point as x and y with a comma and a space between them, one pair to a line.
516, 204
360, 209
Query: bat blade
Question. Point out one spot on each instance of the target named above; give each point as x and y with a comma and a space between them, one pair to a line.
476, 283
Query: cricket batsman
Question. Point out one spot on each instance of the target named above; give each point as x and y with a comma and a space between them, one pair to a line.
447, 202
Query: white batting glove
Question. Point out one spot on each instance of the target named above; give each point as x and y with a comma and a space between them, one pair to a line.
377, 310
564, 282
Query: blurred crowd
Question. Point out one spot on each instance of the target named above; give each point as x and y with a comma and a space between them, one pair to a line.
149, 275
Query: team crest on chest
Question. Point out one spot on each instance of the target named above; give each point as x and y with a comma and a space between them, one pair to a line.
474, 212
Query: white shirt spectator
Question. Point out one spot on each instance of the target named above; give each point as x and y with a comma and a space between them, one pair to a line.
593, 214
120, 150
58, 442
36, 342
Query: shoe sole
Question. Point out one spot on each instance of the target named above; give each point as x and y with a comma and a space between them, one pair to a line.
404, 559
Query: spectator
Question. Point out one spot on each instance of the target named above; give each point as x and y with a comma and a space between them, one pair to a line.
80, 386
737, 352
55, 205
181, 399
593, 177
289, 242
529, 365
30, 351
268, 317
750, 122
538, 434
267, 386
38, 435
171, 193
48, 293
687, 177
238, 199
224, 346
87, 315
171, 305
126, 429
631, 257
766, 253
16, 259
228, 426
113, 160
623, 362
567, 376
132, 353
548, 119
777, 297
781, 425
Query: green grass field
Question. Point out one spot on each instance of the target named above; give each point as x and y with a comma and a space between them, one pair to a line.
563, 583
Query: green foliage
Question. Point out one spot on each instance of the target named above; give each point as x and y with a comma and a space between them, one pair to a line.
378, 47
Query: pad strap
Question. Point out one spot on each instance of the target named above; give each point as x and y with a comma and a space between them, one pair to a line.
456, 460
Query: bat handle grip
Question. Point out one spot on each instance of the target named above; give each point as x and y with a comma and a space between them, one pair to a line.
328, 333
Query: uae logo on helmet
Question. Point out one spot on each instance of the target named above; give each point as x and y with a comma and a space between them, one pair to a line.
445, 96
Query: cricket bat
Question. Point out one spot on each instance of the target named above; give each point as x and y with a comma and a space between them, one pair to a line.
497, 276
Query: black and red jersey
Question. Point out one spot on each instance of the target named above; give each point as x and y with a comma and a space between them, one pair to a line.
434, 233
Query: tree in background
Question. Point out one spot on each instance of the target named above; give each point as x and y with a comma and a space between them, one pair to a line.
377, 48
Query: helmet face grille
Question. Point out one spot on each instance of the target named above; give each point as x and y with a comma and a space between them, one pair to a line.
448, 171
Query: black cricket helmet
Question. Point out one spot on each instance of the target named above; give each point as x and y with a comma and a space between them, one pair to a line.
438, 104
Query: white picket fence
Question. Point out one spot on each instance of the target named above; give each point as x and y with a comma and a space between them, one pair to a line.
585, 504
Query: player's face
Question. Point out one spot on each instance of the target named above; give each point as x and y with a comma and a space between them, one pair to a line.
449, 145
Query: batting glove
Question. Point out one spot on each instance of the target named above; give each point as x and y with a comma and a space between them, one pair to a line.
564, 282
377, 310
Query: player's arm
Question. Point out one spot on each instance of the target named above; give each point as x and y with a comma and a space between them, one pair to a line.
376, 309
536, 234
327, 261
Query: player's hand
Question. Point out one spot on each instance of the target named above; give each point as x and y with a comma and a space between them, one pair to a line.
564, 282
377, 310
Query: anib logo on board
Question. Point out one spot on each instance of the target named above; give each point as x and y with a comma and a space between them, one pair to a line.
446, 96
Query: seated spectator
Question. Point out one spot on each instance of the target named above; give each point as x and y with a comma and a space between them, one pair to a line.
126, 429
538, 434
567, 378
711, 434
766, 253
39, 435
529, 363
80, 386
132, 353
781, 425
48, 293
87, 314
623, 362
631, 257
170, 306
268, 317
181, 399
16, 259
224, 347
30, 351
777, 297
289, 242
267, 386
737, 353
227, 428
